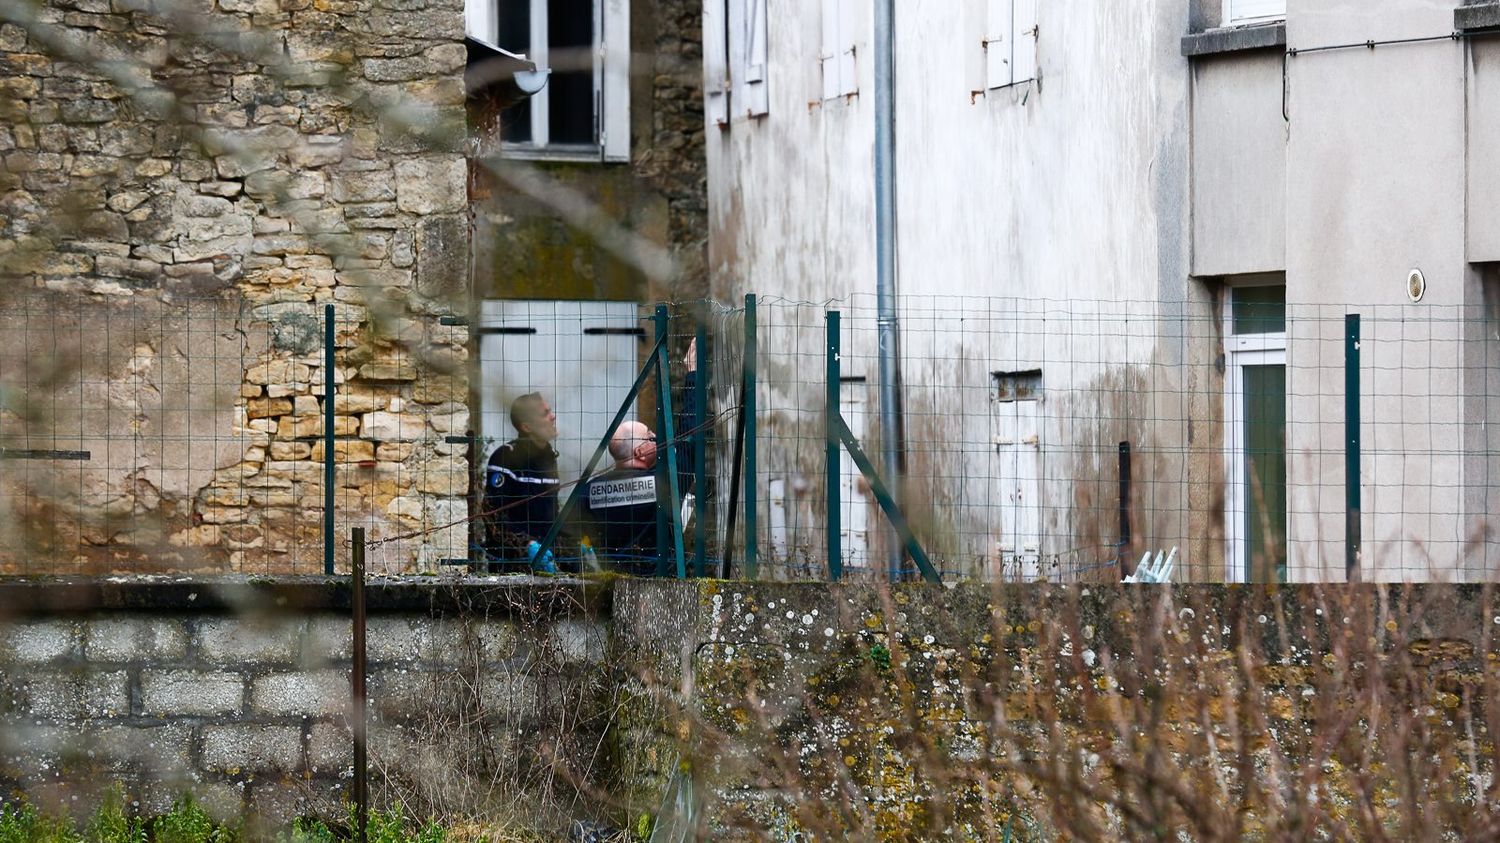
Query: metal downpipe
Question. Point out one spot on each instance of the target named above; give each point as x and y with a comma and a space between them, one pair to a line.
885, 262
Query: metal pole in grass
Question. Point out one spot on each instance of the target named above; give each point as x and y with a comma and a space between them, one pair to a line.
751, 546
831, 450
328, 390
1352, 536
358, 715
1122, 550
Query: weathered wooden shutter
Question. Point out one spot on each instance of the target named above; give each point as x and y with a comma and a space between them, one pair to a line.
715, 62
614, 93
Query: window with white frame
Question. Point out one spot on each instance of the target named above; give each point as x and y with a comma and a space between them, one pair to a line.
1238, 12
734, 59
840, 25
1255, 403
1010, 42
584, 110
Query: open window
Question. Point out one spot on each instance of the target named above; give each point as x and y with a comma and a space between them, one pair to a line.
583, 113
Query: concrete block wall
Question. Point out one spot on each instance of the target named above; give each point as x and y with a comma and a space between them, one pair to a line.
240, 693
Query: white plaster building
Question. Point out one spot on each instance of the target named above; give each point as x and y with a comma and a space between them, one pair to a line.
1095, 191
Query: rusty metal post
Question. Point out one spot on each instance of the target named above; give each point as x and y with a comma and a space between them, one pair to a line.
358, 715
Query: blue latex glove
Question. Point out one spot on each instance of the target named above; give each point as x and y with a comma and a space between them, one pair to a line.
545, 565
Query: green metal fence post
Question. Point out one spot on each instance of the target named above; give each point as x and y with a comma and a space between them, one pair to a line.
1352, 537
751, 547
888, 503
328, 391
700, 451
663, 530
832, 418
669, 438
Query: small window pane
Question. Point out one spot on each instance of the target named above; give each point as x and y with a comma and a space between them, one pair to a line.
1259, 310
571, 33
515, 35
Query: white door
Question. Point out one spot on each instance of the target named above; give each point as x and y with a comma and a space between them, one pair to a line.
1255, 430
1018, 455
854, 495
1255, 390
582, 356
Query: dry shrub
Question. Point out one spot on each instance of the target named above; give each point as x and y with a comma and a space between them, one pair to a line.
1043, 713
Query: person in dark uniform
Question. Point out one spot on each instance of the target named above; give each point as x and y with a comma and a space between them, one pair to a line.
622, 502
521, 483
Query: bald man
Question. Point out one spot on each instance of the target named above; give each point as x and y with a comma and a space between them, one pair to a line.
622, 502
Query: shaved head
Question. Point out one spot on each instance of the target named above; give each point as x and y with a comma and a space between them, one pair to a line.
633, 446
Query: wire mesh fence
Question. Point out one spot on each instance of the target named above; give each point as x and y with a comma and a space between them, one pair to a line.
177, 434
1065, 439
1054, 440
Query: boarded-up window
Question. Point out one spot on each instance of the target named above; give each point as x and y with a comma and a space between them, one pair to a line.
734, 59
840, 22
716, 62
747, 53
1010, 42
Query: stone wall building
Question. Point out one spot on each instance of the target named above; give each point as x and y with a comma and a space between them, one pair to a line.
589, 202
1093, 202
186, 188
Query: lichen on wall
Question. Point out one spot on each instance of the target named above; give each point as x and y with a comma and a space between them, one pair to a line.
912, 712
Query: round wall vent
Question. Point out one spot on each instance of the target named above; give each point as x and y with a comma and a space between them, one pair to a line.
1416, 285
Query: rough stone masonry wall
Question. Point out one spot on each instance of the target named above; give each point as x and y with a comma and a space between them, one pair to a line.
183, 187
914, 712
480, 696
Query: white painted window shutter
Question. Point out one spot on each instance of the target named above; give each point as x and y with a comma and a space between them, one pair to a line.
615, 90
715, 62
480, 20
828, 57
747, 57
997, 43
848, 20
1024, 39
1245, 11
757, 98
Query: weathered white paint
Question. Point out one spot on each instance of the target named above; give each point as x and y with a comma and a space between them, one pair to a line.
1063, 211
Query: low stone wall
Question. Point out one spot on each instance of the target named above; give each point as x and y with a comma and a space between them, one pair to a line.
239, 692
742, 710
863, 712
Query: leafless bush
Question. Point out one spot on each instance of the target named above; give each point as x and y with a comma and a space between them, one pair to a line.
1202, 713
